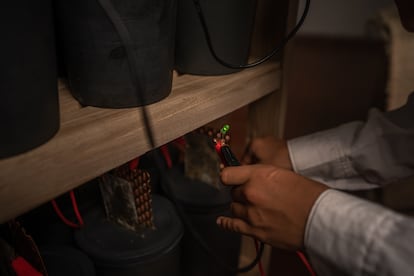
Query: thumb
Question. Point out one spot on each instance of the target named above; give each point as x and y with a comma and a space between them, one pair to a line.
235, 225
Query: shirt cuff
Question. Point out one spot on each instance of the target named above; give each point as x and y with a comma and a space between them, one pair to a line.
324, 154
340, 233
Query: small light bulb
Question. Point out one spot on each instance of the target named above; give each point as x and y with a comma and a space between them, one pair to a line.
224, 129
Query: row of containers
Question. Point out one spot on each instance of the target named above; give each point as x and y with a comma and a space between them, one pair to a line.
182, 238
83, 41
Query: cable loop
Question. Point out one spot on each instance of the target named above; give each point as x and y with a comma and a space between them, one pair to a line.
277, 49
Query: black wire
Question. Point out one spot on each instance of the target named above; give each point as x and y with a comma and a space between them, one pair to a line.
166, 184
136, 75
277, 49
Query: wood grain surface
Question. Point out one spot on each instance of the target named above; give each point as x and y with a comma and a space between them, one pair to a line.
93, 140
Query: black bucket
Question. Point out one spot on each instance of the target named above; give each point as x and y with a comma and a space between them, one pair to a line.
96, 61
61, 260
118, 251
29, 109
202, 204
230, 25
47, 228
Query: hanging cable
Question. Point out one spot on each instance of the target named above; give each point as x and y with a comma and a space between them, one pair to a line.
135, 73
305, 261
136, 76
277, 49
196, 235
260, 265
229, 159
75, 209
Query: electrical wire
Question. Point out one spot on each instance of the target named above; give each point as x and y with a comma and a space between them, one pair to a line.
196, 235
229, 159
75, 209
260, 265
305, 261
277, 49
166, 154
136, 76
204, 245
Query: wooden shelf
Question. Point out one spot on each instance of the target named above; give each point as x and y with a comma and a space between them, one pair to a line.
91, 140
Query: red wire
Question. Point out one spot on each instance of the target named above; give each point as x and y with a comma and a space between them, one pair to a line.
75, 209
62, 217
179, 141
133, 164
260, 265
21, 267
306, 263
166, 153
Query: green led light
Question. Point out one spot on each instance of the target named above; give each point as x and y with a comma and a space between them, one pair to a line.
224, 129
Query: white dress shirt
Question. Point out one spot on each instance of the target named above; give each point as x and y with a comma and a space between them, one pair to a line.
346, 235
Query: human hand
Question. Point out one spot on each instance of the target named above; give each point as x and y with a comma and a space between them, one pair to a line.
269, 150
270, 204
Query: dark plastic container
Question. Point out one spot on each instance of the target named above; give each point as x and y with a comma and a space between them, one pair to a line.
96, 61
118, 251
63, 260
230, 24
48, 229
202, 204
29, 108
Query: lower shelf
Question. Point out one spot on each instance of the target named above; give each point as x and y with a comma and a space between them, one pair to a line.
92, 140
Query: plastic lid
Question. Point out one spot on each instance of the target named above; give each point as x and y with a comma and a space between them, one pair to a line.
111, 245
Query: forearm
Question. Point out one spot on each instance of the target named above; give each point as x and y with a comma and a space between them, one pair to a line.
361, 238
325, 157
363, 155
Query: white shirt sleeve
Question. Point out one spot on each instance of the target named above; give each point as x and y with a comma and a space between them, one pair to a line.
359, 155
346, 235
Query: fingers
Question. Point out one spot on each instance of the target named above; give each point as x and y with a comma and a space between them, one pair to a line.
236, 175
257, 144
248, 156
235, 225
260, 149
238, 195
239, 211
